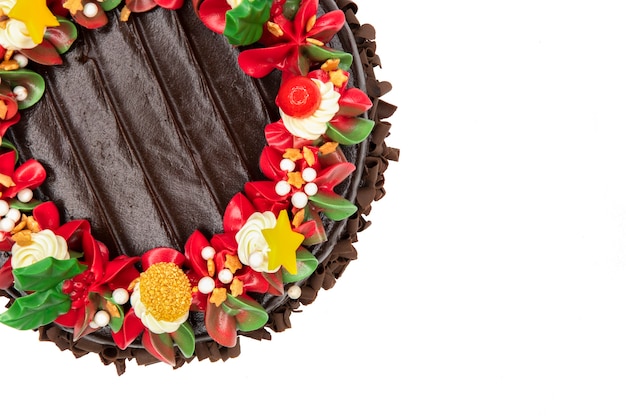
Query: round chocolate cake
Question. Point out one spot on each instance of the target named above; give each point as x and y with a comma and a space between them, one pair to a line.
158, 157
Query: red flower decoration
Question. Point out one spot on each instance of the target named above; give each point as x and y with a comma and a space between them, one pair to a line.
290, 40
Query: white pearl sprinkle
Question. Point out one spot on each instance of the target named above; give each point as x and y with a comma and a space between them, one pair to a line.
208, 253
22, 61
294, 292
282, 188
206, 285
256, 259
4, 207
102, 319
90, 10
225, 276
14, 215
299, 200
6, 225
287, 165
25, 195
21, 93
309, 174
120, 296
310, 189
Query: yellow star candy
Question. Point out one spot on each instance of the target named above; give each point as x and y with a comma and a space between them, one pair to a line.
283, 243
35, 15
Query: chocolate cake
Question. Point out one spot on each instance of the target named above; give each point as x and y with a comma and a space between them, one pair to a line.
160, 137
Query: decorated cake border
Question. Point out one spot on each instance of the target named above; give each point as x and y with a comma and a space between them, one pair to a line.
266, 216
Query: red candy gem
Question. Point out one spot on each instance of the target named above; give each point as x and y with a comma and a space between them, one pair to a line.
299, 97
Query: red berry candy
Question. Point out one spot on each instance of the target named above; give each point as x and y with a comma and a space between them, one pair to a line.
299, 97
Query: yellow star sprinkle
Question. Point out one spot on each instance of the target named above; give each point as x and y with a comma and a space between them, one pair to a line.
73, 6
35, 15
294, 154
236, 288
283, 243
218, 296
295, 179
232, 263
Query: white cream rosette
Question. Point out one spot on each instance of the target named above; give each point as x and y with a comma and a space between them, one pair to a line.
153, 324
314, 126
252, 248
43, 244
14, 35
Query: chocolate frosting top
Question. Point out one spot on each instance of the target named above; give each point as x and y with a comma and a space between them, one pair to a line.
150, 127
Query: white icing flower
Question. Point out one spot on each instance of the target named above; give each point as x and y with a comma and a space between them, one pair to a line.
14, 35
314, 126
44, 244
153, 324
252, 247
163, 305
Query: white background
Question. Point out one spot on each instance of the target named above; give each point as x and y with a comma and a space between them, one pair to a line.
492, 281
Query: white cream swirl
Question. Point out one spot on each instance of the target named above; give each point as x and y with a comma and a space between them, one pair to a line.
314, 126
14, 35
252, 248
150, 322
43, 244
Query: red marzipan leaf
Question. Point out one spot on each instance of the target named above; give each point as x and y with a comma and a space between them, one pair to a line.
224, 242
7, 163
7, 96
130, 330
277, 136
308, 9
270, 163
68, 319
6, 275
253, 281
354, 102
237, 213
170, 4
213, 14
6, 124
193, 251
47, 215
72, 232
45, 53
221, 326
259, 62
161, 255
94, 22
30, 174
264, 189
327, 26
333, 175
121, 271
160, 346
139, 6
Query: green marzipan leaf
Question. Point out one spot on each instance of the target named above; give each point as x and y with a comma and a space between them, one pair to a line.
335, 207
108, 5
360, 129
244, 23
37, 309
33, 82
290, 8
306, 263
46, 274
321, 54
250, 315
116, 322
24, 206
185, 339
